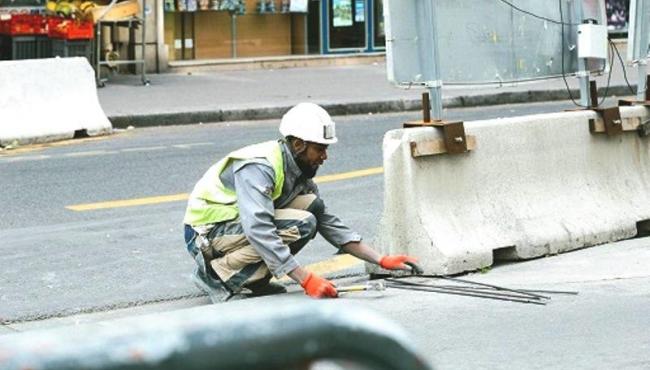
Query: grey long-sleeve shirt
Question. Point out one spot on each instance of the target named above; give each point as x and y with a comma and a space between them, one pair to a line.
253, 181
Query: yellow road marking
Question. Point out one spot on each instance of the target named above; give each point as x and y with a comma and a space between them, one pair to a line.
36, 147
128, 202
338, 263
184, 196
349, 175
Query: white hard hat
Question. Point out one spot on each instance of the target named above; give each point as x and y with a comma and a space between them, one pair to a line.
309, 122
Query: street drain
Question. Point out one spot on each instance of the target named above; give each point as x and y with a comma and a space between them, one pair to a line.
504, 254
642, 229
80, 134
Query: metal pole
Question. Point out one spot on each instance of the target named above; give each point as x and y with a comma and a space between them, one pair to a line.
434, 87
583, 73
583, 79
144, 43
426, 108
233, 33
642, 71
98, 46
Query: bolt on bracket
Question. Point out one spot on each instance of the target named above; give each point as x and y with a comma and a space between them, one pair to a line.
612, 124
454, 140
609, 119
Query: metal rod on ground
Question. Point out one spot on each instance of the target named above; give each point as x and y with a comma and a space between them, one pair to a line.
522, 290
480, 290
477, 283
444, 291
483, 291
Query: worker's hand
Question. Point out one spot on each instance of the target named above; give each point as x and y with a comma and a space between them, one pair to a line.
317, 287
399, 262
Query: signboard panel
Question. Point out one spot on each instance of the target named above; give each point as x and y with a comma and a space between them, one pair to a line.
639, 31
484, 41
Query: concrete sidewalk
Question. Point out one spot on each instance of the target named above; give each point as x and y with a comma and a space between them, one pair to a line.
603, 325
267, 94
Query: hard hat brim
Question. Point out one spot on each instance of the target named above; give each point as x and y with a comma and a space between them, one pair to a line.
325, 141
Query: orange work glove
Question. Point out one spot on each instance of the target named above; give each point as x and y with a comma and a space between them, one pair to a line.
396, 262
317, 287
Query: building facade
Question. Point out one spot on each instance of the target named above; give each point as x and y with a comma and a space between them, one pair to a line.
273, 28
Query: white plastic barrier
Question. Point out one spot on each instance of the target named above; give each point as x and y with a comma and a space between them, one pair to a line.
48, 99
535, 185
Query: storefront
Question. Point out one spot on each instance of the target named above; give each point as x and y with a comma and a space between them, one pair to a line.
262, 28
352, 26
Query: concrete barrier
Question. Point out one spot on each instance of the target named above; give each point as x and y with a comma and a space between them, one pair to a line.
48, 99
534, 186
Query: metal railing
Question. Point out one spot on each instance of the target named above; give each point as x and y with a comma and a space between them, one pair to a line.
252, 334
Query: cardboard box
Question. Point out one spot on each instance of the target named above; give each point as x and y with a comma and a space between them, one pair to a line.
119, 11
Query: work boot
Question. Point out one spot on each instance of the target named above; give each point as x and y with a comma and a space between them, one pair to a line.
265, 287
216, 290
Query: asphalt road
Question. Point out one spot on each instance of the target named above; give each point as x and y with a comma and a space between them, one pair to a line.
57, 262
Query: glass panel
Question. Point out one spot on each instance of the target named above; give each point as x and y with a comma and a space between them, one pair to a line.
617, 14
638, 42
347, 24
184, 36
313, 27
380, 34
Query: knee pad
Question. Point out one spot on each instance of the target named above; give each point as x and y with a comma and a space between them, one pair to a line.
309, 227
317, 207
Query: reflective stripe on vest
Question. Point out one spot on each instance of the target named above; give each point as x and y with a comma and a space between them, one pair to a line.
211, 202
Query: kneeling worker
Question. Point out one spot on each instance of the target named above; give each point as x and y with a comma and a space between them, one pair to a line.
256, 208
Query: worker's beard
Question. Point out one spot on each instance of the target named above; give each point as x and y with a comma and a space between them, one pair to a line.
308, 171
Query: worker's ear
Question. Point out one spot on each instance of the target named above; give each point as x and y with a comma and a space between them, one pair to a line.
298, 145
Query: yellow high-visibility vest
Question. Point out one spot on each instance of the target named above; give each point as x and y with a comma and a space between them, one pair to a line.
211, 202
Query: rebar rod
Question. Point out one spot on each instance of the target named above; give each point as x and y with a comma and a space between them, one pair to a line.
480, 290
494, 292
477, 283
568, 292
467, 294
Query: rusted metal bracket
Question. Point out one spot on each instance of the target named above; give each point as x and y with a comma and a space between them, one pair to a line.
609, 119
643, 128
611, 123
454, 138
646, 102
437, 146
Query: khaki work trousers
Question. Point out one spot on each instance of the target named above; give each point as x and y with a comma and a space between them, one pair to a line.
233, 259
